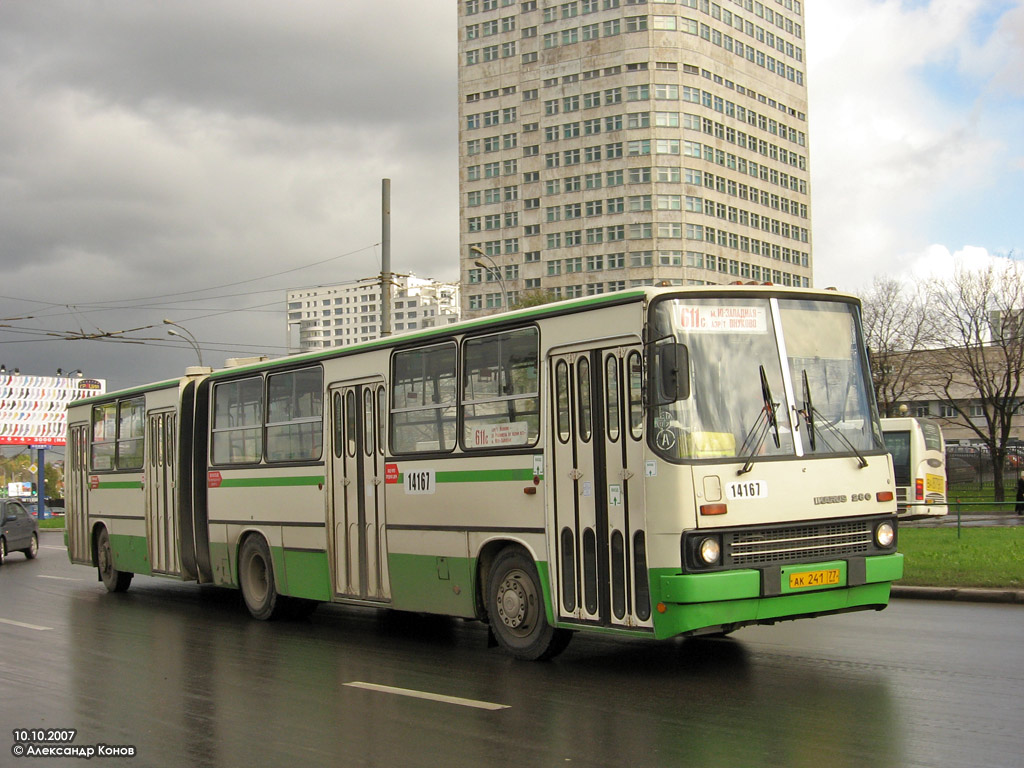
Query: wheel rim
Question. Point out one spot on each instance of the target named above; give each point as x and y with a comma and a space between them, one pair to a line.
3, 550
106, 564
256, 578
517, 603
34, 546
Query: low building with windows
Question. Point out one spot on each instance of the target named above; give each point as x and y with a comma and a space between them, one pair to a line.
927, 399
326, 316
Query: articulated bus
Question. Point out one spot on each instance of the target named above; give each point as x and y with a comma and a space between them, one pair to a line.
919, 464
653, 462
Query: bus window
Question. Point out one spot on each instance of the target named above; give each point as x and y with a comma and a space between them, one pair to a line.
423, 397
131, 431
368, 431
635, 381
104, 436
611, 396
350, 422
583, 395
295, 415
238, 421
562, 404
898, 444
339, 425
381, 403
500, 396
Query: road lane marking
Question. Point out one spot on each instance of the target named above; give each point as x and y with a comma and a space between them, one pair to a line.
23, 624
50, 546
56, 578
425, 695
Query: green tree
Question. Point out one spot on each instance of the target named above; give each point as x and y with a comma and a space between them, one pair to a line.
54, 479
534, 299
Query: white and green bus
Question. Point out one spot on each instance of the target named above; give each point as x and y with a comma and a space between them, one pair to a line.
654, 462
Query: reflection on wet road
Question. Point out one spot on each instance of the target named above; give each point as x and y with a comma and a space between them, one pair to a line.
183, 674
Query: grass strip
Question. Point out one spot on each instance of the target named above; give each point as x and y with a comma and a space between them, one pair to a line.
981, 557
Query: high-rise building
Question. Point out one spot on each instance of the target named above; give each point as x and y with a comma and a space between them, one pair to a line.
327, 316
611, 143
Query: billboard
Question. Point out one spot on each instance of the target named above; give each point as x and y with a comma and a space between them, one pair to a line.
15, 490
33, 409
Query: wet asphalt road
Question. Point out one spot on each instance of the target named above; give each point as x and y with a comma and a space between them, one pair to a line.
182, 674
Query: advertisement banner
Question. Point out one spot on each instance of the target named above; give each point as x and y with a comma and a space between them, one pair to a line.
33, 409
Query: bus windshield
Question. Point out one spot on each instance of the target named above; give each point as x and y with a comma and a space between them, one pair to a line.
766, 378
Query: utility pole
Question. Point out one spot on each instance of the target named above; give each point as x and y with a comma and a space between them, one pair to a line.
385, 258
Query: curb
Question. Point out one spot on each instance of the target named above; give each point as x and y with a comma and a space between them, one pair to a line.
959, 594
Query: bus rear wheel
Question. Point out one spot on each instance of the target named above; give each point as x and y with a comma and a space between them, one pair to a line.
113, 579
515, 608
256, 578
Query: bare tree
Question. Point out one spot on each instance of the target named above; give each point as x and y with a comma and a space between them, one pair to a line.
980, 317
895, 330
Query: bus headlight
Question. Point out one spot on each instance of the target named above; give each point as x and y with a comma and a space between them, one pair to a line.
885, 535
710, 550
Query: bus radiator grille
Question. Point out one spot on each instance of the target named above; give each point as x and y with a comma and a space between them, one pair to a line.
800, 543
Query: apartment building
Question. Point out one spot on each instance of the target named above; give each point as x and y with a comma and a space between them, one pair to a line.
349, 313
612, 143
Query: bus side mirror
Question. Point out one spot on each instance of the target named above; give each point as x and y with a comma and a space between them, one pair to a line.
674, 366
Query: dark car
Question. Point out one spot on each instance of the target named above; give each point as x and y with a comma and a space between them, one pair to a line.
18, 530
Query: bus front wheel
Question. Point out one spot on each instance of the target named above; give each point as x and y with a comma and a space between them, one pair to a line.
113, 579
515, 608
256, 578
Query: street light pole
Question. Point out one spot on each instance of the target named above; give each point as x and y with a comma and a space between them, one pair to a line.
187, 336
492, 269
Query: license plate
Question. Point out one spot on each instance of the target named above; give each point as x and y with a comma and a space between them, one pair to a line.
826, 578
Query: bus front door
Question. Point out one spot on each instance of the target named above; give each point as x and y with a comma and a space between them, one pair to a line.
597, 452
357, 510
161, 493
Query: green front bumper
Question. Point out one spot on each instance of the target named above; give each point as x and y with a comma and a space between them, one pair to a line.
689, 602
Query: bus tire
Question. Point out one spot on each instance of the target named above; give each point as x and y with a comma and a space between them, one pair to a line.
256, 579
515, 608
113, 579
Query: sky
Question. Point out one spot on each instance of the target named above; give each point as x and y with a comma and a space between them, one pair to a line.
193, 160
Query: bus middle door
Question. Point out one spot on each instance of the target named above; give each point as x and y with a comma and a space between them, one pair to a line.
161, 493
357, 514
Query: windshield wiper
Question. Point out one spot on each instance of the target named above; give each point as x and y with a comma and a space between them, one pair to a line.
770, 406
810, 412
767, 419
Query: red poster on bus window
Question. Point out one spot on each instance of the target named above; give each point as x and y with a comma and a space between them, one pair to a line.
213, 479
390, 474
